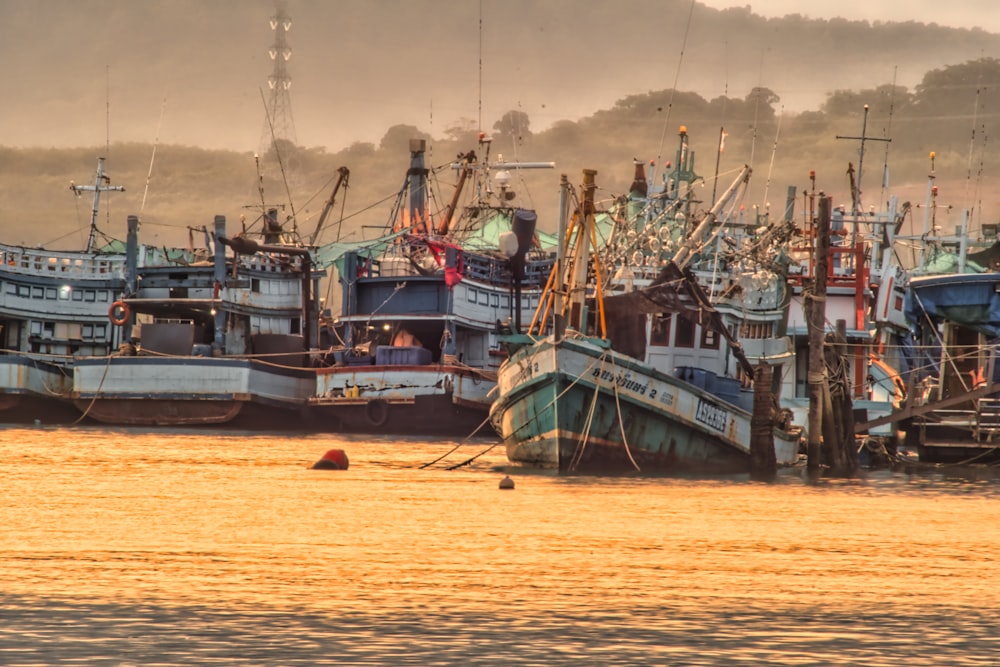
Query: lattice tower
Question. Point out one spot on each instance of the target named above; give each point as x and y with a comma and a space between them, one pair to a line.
278, 123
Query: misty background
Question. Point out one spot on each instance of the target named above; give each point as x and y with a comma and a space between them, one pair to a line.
173, 94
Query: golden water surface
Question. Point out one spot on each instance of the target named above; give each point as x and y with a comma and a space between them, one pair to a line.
139, 547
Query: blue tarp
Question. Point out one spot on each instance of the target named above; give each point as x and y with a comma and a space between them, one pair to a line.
968, 299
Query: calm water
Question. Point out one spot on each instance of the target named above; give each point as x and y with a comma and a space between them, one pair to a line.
123, 547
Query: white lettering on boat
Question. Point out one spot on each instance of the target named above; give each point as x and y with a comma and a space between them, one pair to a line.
623, 380
711, 415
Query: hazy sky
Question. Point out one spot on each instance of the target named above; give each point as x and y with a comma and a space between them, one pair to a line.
983, 14
195, 71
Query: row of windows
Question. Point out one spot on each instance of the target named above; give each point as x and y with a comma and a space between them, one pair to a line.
64, 293
485, 298
69, 331
685, 333
757, 330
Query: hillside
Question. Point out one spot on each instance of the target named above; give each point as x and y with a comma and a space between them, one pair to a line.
598, 102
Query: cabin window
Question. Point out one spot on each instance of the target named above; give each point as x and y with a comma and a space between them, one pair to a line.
90, 296
88, 332
685, 332
496, 300
50, 293
471, 295
100, 332
505, 302
709, 339
295, 326
255, 285
103, 296
660, 332
77, 295
37, 293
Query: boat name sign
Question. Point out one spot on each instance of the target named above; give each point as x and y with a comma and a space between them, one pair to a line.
625, 381
711, 415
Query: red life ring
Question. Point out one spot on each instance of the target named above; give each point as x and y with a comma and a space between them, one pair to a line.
119, 313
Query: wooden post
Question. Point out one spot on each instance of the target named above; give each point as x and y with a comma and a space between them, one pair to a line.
837, 383
815, 302
848, 446
763, 463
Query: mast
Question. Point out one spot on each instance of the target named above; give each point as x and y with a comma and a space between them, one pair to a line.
856, 187
101, 184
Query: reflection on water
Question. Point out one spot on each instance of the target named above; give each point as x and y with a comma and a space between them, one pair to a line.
185, 548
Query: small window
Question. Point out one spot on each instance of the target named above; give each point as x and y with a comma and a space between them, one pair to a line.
709, 339
660, 334
50, 293
255, 285
685, 332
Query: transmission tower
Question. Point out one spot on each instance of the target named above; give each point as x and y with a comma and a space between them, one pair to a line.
278, 123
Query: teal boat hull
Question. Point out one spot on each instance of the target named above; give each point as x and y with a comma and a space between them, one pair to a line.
576, 406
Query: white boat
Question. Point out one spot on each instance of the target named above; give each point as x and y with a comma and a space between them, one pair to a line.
54, 309
222, 340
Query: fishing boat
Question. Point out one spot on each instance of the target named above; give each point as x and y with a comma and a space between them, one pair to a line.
53, 309
862, 304
422, 306
949, 300
569, 400
220, 339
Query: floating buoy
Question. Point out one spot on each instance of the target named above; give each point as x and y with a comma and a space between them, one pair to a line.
335, 459
507, 483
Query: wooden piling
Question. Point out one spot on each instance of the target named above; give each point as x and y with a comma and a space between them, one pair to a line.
763, 463
815, 301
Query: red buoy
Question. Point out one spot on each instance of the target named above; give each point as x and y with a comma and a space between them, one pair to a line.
335, 459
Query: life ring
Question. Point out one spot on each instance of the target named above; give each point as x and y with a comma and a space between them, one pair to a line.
377, 412
119, 313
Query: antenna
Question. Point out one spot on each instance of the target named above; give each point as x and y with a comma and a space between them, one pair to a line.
101, 184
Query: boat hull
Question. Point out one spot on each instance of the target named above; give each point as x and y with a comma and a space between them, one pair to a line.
436, 399
189, 391
575, 407
159, 412
33, 390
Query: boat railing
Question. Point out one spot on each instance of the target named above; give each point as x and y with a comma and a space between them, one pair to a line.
271, 262
66, 264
